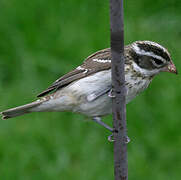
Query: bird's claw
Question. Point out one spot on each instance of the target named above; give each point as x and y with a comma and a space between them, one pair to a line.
127, 139
111, 139
111, 94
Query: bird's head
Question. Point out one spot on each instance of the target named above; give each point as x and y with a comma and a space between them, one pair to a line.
151, 58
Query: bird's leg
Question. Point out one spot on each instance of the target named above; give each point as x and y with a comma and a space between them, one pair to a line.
110, 138
98, 120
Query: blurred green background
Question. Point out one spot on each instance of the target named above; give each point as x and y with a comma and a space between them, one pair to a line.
41, 40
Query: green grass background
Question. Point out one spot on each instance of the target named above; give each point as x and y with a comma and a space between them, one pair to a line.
41, 40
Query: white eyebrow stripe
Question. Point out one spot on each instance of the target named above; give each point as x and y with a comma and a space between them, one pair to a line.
142, 52
102, 60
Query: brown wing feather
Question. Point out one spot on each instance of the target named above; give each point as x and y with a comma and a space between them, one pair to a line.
87, 68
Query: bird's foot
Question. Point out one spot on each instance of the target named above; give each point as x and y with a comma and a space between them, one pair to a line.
111, 94
111, 139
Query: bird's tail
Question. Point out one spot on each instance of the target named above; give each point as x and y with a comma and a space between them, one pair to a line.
20, 110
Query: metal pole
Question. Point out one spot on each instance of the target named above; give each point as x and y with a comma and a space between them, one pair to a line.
118, 83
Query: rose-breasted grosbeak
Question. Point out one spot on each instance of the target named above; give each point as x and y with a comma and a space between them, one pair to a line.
87, 89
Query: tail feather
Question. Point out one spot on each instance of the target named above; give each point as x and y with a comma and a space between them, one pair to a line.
20, 110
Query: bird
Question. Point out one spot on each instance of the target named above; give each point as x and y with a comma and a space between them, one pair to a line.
87, 89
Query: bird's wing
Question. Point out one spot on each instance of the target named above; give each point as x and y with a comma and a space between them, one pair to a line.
98, 61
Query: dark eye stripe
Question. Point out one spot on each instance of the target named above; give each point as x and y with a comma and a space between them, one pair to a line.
158, 61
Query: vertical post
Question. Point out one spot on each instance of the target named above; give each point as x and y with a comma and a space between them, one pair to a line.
118, 83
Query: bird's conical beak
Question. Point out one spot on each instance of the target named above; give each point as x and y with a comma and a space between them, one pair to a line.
171, 68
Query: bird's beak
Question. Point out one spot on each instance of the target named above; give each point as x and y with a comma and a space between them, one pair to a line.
170, 68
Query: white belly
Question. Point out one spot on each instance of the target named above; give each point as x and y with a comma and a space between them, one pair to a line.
79, 91
74, 96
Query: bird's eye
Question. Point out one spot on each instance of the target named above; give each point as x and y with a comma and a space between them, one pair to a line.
157, 62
